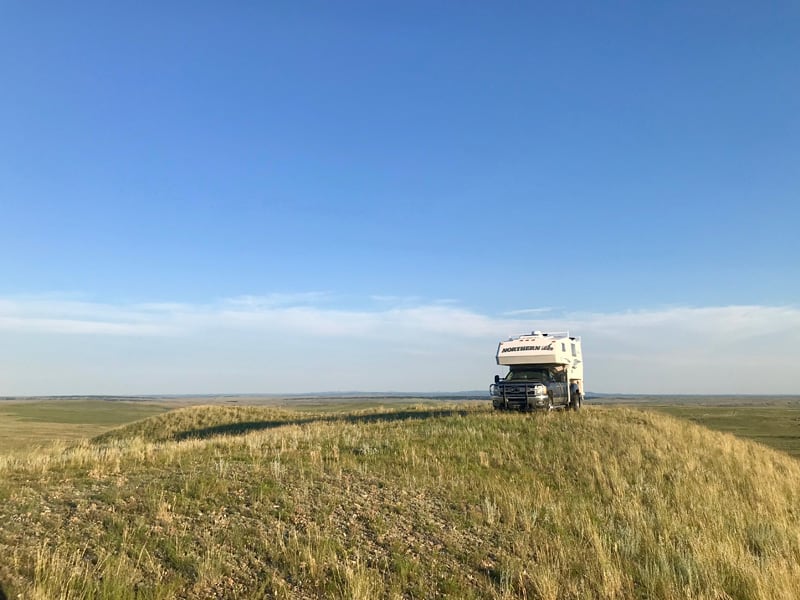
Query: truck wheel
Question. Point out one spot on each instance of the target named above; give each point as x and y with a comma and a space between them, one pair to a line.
576, 402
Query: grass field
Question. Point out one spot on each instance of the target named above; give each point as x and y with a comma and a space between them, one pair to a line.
24, 424
777, 426
402, 501
30, 423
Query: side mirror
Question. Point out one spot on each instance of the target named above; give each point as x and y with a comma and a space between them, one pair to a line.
497, 378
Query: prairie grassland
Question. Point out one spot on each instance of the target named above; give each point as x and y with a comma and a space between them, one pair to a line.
29, 423
449, 501
775, 425
26, 424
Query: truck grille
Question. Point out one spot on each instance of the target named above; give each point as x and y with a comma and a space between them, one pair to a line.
521, 396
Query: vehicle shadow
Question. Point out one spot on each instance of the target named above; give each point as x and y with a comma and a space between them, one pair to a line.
241, 428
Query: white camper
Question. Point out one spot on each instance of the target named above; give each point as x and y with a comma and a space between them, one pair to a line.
545, 370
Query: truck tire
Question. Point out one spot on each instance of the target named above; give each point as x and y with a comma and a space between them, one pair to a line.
576, 402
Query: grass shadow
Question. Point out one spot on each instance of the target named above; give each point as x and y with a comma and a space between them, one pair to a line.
241, 428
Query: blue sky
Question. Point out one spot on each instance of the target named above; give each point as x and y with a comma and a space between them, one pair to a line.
198, 198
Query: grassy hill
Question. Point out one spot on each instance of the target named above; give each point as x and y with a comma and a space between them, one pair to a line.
450, 501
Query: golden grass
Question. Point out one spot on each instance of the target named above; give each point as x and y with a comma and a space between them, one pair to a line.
408, 503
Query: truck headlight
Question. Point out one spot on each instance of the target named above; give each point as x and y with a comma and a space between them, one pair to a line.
539, 390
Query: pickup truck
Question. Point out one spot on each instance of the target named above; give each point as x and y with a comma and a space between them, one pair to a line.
531, 387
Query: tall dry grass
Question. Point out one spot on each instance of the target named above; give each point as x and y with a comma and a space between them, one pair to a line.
412, 503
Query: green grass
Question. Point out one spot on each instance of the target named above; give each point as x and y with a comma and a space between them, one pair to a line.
86, 412
451, 501
33, 423
777, 426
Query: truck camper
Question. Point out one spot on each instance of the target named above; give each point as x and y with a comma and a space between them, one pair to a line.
545, 371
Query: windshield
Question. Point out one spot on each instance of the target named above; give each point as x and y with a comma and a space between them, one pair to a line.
538, 375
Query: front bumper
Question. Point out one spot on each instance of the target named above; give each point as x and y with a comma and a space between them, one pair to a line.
518, 398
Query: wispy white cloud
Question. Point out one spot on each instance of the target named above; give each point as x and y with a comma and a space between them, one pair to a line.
277, 299
395, 299
435, 346
258, 313
528, 311
77, 326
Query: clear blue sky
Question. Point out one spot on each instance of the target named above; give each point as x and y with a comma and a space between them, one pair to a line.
183, 168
